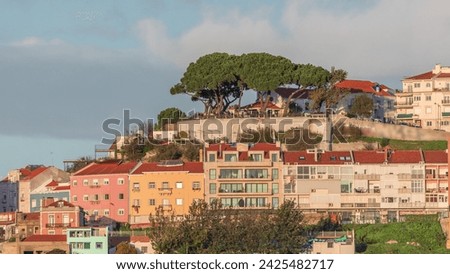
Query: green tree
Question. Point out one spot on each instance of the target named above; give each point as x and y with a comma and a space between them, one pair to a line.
362, 106
167, 152
212, 80
327, 93
169, 116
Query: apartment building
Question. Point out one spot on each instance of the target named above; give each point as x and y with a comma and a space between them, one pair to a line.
8, 195
243, 175
57, 216
102, 190
366, 186
425, 100
32, 178
88, 240
53, 191
169, 186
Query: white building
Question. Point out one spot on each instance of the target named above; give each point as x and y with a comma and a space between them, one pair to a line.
425, 100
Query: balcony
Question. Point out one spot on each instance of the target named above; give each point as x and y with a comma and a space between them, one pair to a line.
404, 105
166, 207
94, 186
136, 189
372, 177
165, 190
57, 225
95, 202
245, 164
445, 102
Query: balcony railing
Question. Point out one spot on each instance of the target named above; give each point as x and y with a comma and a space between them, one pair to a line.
94, 186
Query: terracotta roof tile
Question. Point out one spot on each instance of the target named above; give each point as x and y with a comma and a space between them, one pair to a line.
444, 75
52, 184
423, 76
35, 173
142, 239
257, 105
58, 188
35, 216
106, 168
191, 167
435, 156
405, 156
369, 157
46, 238
364, 86
325, 158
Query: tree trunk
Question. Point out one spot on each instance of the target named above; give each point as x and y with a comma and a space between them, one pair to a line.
288, 102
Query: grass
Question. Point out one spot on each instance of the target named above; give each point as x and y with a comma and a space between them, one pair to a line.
417, 235
409, 145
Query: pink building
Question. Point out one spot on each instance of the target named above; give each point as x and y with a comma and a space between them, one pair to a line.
57, 216
102, 190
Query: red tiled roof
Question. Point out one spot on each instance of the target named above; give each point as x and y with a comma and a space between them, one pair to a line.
64, 203
257, 105
363, 86
106, 168
35, 173
435, 156
405, 156
444, 75
24, 172
142, 239
46, 238
423, 76
369, 157
62, 188
191, 167
325, 158
52, 183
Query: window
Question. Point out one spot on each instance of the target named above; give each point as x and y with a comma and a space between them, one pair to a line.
256, 173
95, 197
85, 198
51, 232
106, 197
179, 185
121, 196
121, 211
74, 198
212, 188
417, 85
106, 181
274, 157
151, 202
98, 245
144, 249
136, 186
256, 188
275, 189
85, 182
303, 172
33, 203
106, 212
136, 202
255, 202
179, 202
330, 244
211, 157
120, 181
417, 186
428, 98
428, 85
212, 174
275, 202
429, 123
417, 98
165, 185
230, 157
196, 185
151, 185
95, 212
256, 157
95, 182
275, 174
231, 188
445, 123
75, 183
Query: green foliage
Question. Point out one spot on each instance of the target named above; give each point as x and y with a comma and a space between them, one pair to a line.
167, 152
299, 139
384, 142
409, 145
136, 148
362, 106
56, 251
169, 116
214, 229
327, 93
125, 248
264, 135
420, 234
191, 151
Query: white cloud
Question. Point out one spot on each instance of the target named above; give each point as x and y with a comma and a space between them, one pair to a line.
36, 41
387, 39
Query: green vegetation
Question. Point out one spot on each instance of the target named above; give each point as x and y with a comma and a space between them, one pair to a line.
215, 229
420, 234
362, 106
408, 145
169, 116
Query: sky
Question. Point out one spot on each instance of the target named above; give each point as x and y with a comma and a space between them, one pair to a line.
67, 66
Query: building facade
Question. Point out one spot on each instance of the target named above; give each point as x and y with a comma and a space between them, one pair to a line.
168, 186
53, 191
88, 240
102, 190
243, 175
425, 100
8, 195
57, 216
366, 186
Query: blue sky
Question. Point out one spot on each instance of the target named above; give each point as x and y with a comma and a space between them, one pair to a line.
66, 66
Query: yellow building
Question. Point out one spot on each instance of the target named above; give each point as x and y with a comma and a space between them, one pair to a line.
170, 185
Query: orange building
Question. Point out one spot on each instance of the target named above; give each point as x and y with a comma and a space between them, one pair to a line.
171, 186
